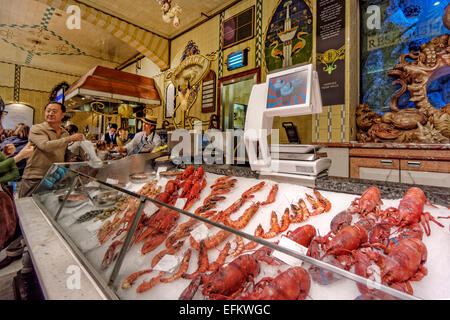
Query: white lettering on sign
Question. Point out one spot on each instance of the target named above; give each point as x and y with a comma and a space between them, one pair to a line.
74, 20
374, 19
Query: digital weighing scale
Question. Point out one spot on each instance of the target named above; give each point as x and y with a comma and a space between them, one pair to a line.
286, 93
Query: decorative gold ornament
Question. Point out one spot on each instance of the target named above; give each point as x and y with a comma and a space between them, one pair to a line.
125, 111
329, 58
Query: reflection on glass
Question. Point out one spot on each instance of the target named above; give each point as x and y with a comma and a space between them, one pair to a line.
239, 111
388, 30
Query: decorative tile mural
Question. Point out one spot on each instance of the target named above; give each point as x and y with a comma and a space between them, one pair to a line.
288, 39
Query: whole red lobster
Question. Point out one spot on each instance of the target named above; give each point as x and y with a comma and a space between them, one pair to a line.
302, 235
410, 211
369, 202
404, 262
292, 284
228, 280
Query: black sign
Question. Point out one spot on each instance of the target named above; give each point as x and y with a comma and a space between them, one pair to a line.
330, 48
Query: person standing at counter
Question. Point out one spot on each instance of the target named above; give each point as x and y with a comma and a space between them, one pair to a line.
144, 141
124, 137
50, 141
111, 136
75, 150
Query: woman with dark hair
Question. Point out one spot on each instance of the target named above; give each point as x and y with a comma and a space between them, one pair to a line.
8, 217
19, 140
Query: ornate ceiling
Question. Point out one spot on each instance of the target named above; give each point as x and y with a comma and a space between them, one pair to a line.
35, 32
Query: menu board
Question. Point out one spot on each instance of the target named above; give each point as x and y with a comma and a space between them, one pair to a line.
330, 39
17, 113
209, 93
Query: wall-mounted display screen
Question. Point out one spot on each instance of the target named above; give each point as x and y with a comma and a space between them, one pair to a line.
237, 59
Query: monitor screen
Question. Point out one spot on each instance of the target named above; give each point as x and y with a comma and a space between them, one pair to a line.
287, 90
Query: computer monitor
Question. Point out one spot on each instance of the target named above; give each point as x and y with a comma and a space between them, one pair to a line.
289, 91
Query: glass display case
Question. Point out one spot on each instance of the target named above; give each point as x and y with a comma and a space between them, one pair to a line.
149, 230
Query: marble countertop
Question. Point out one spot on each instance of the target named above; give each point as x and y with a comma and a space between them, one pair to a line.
389, 190
387, 145
60, 274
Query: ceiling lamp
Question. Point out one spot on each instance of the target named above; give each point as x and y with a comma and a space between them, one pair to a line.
170, 13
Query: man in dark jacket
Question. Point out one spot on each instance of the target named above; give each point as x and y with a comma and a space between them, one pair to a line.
111, 136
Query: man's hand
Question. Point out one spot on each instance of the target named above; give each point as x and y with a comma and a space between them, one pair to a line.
122, 150
25, 153
77, 137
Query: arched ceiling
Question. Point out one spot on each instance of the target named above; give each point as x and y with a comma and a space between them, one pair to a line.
34, 32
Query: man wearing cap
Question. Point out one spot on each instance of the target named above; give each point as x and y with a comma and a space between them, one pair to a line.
144, 141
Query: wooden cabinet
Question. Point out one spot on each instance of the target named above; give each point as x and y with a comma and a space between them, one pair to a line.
414, 166
375, 169
436, 173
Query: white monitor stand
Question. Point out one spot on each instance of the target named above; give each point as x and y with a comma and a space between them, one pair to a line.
286, 93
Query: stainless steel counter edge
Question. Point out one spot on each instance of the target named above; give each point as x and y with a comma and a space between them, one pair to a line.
61, 275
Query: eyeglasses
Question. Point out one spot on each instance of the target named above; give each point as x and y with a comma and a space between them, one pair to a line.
4, 113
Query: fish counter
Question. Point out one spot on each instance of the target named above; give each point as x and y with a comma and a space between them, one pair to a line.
142, 250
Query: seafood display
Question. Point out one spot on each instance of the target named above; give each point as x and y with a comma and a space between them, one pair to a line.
384, 241
74, 200
89, 215
388, 240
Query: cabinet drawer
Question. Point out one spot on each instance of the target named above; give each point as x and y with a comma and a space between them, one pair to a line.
385, 164
439, 155
426, 178
390, 175
430, 166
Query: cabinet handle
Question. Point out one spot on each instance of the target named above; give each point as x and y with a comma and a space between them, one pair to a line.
386, 162
414, 164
